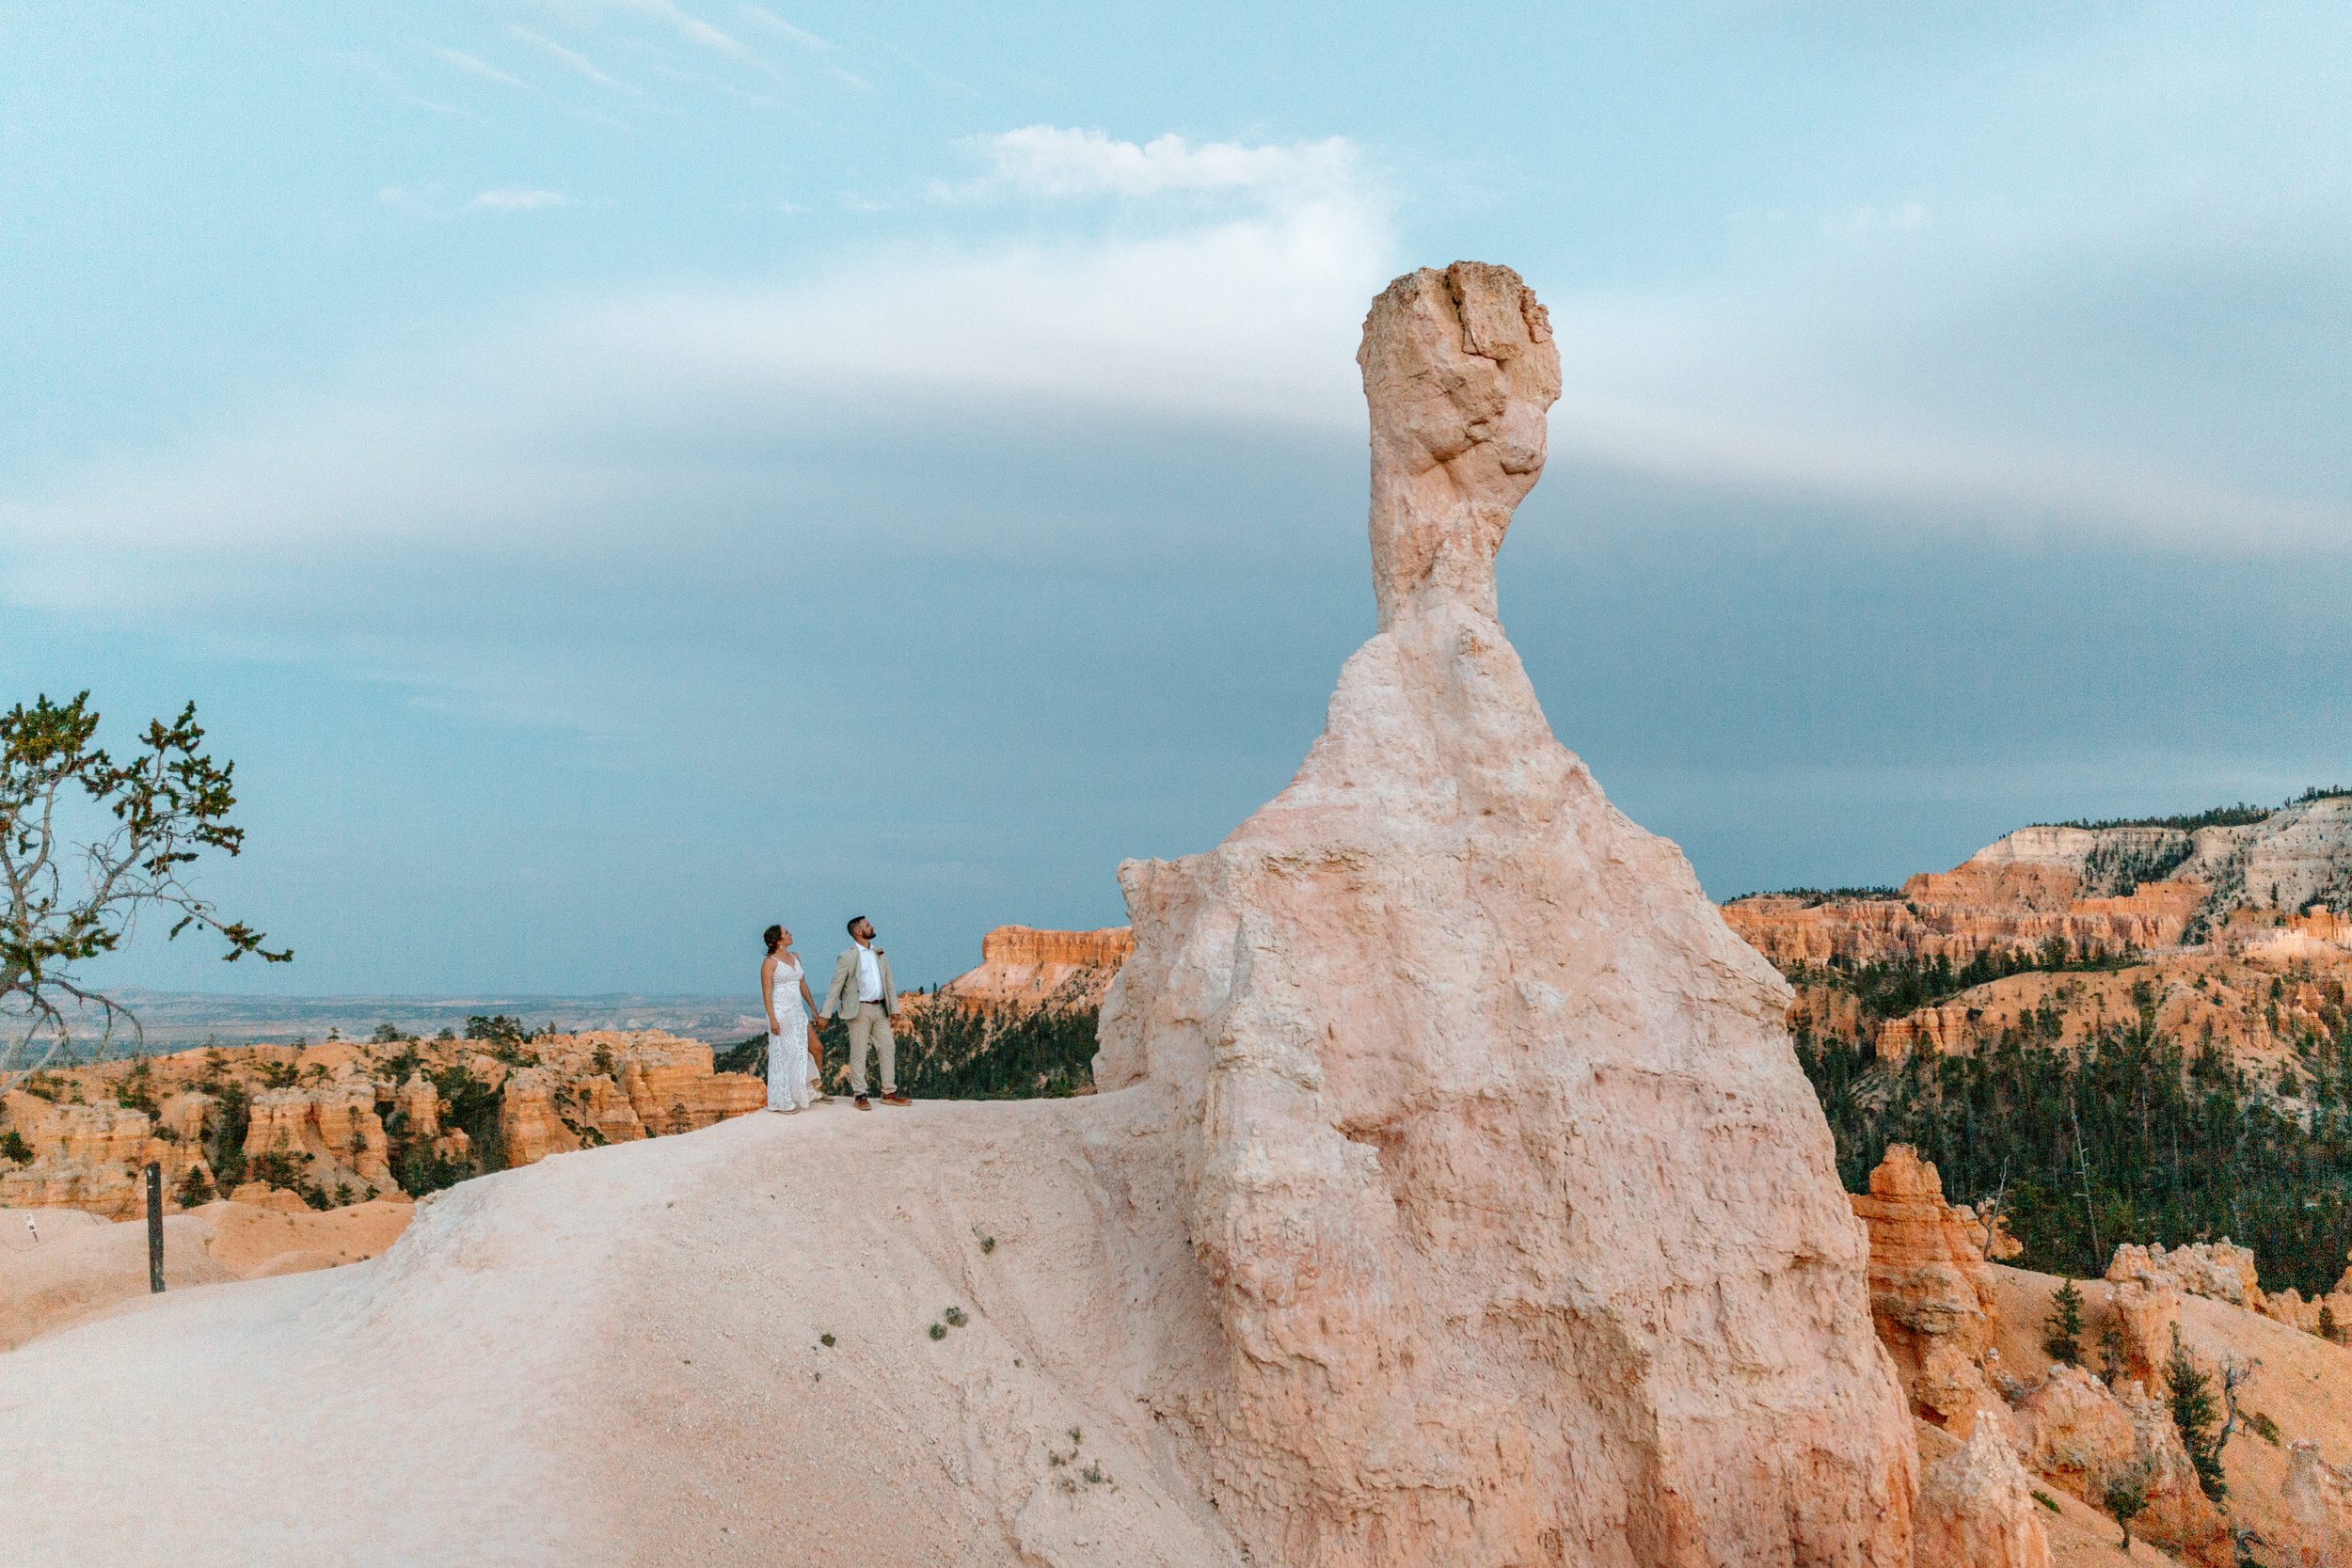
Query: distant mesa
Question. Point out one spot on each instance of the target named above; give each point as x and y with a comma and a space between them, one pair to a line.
1024, 967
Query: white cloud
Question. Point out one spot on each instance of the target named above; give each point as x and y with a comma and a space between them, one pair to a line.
459, 59
573, 61
777, 24
518, 441
695, 30
1043, 160
515, 199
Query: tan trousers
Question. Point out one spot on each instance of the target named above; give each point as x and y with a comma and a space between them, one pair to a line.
871, 1024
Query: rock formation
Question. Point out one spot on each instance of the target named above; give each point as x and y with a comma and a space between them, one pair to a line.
329, 1124
2080, 1436
1975, 1505
1929, 1297
1518, 1219
2218, 1270
2131, 886
1022, 968
2318, 1502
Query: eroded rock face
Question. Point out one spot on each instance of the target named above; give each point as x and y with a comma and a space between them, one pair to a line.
1975, 1505
1520, 1221
1024, 967
1930, 1296
2080, 1435
2220, 1270
2318, 1499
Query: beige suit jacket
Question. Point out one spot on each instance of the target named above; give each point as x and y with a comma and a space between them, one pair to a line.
841, 996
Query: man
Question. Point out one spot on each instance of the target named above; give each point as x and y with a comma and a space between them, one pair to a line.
861, 993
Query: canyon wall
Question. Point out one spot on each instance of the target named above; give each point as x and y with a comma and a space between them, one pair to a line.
2143, 888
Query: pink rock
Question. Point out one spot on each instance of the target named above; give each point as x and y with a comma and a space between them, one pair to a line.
1521, 1222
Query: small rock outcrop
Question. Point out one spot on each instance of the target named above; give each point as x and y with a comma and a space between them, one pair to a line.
1519, 1222
1930, 1296
2318, 1500
2081, 1436
2218, 1270
1976, 1504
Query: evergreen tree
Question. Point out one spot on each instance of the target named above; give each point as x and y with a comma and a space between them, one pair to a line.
2327, 1329
2197, 1418
2126, 1496
2062, 1331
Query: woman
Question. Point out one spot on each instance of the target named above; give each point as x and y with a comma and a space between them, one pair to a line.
791, 1031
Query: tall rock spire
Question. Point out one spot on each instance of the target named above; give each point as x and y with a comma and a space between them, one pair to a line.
1517, 1223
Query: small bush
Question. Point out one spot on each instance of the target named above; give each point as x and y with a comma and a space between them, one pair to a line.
13, 1147
955, 1317
939, 1331
2126, 1497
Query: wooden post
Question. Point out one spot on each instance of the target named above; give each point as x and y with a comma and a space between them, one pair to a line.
154, 1227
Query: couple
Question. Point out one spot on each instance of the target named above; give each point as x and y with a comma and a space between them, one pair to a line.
861, 993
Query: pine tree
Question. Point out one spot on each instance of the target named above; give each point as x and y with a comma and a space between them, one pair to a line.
2062, 1331
2197, 1418
2126, 1496
2327, 1329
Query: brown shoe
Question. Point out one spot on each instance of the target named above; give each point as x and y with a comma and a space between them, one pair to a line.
896, 1097
862, 1104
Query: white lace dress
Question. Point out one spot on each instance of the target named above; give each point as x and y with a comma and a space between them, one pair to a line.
788, 1049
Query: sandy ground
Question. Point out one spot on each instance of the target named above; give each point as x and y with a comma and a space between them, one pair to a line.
617, 1357
65, 1265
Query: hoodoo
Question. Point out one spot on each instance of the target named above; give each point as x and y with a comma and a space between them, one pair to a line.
1518, 1217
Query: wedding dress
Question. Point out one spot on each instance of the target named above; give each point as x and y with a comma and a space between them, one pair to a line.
788, 1049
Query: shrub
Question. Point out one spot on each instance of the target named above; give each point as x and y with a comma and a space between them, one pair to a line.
195, 1189
2126, 1496
13, 1147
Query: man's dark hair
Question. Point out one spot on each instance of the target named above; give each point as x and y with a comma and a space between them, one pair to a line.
851, 927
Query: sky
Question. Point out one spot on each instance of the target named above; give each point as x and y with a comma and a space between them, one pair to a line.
613, 473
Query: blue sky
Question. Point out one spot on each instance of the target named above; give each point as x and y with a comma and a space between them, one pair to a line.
615, 472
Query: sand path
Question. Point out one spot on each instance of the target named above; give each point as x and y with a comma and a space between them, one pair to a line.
616, 1356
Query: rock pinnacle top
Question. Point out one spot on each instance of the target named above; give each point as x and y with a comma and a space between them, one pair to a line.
1459, 369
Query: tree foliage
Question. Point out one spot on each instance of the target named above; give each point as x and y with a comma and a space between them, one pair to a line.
2062, 1333
71, 900
2196, 1416
2124, 1138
